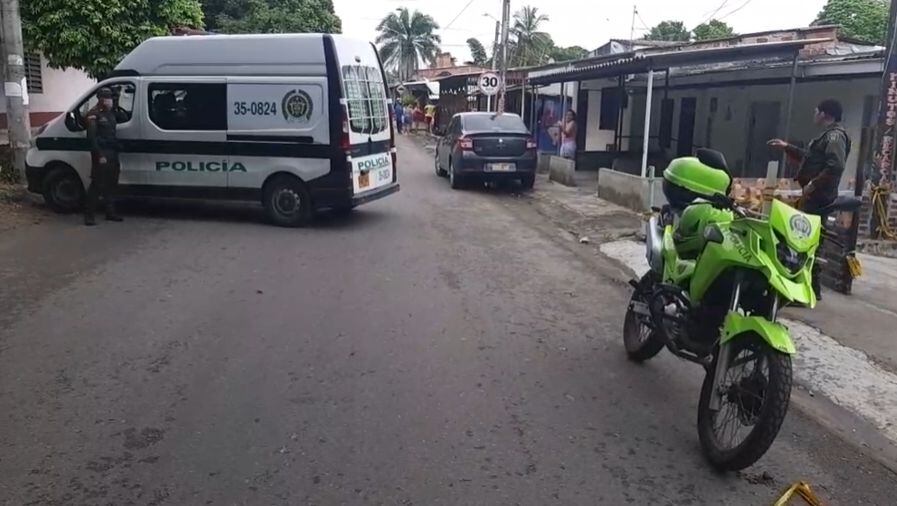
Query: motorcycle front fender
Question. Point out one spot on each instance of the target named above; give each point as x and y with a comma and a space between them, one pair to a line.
775, 334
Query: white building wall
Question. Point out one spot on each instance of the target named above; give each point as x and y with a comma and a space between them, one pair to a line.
727, 128
61, 87
595, 138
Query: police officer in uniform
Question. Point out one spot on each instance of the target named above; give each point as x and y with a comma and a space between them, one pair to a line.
822, 163
102, 121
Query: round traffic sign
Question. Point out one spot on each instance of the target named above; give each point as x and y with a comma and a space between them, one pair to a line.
489, 83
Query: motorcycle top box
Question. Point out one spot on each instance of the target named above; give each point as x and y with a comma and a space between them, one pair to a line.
689, 178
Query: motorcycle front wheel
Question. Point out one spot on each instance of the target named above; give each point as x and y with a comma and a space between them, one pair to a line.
755, 394
640, 340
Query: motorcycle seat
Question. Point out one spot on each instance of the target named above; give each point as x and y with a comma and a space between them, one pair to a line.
841, 204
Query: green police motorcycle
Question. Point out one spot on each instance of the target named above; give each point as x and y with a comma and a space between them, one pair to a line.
718, 276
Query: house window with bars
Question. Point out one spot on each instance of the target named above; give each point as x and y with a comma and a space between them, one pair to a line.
33, 73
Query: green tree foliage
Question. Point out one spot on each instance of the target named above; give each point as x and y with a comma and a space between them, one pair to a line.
406, 38
861, 19
531, 46
560, 54
271, 16
477, 52
94, 35
713, 29
670, 30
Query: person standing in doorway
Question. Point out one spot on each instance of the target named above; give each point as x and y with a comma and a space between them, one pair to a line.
568, 135
821, 164
102, 122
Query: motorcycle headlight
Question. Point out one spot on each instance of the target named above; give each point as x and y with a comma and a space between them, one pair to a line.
790, 259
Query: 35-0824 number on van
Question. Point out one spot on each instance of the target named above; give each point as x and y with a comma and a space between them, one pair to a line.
260, 108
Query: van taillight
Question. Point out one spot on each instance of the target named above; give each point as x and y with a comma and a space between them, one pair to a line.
465, 144
531, 144
344, 142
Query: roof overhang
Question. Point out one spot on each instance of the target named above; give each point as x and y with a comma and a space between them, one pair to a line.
644, 61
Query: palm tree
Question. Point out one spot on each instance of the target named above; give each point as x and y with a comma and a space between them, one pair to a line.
531, 46
407, 38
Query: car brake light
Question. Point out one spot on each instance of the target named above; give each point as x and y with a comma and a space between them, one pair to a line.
531, 144
465, 144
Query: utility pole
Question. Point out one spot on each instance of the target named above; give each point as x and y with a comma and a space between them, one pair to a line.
886, 134
494, 60
505, 29
16, 89
632, 27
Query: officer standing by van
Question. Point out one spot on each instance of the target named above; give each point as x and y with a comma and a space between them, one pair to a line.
102, 122
822, 163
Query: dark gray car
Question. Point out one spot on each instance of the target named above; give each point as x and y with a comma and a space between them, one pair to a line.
483, 146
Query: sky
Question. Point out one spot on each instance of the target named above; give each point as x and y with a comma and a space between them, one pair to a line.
586, 23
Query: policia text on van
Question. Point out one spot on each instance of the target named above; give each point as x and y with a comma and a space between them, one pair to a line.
296, 122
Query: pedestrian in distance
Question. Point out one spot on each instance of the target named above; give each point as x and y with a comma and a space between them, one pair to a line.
430, 116
102, 122
821, 164
399, 113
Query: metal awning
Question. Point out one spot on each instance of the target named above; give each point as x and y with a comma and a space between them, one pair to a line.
645, 60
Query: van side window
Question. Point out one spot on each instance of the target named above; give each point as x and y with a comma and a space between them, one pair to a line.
123, 102
366, 98
188, 106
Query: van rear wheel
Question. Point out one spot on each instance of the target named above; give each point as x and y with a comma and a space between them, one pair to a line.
63, 190
287, 201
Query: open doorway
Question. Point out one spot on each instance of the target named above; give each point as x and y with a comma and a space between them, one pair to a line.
686, 142
763, 125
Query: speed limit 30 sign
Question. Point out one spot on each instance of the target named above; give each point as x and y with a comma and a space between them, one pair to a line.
489, 83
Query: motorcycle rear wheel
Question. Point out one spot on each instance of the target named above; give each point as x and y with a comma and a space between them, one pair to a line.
641, 341
758, 400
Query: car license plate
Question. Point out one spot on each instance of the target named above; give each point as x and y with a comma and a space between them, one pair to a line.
364, 180
502, 167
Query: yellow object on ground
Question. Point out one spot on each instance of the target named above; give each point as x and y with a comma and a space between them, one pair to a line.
854, 266
801, 490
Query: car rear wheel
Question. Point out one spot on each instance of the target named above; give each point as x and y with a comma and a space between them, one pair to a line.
528, 181
457, 180
63, 190
287, 201
439, 170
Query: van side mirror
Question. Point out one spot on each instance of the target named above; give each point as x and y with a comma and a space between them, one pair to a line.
71, 121
712, 233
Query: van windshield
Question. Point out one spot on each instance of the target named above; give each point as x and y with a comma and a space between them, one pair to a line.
366, 99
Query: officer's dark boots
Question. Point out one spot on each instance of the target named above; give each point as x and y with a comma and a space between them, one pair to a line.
111, 215
89, 219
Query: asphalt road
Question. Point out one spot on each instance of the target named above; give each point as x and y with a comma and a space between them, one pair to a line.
436, 347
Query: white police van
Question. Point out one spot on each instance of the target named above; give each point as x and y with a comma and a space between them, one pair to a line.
297, 122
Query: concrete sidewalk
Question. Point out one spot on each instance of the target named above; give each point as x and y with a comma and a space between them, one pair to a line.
847, 346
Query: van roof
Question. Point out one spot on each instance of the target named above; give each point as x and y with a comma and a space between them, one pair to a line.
216, 55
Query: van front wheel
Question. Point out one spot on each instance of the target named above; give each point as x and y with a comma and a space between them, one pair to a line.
63, 190
287, 201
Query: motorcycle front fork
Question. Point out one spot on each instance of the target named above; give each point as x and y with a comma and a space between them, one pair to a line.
725, 349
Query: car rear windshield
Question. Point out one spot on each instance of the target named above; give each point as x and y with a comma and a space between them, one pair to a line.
366, 98
492, 123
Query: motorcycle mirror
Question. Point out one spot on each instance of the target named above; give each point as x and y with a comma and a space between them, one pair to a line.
712, 233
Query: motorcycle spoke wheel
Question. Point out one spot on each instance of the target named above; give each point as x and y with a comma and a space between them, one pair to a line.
754, 397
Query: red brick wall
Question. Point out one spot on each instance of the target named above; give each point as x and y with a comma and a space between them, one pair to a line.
37, 118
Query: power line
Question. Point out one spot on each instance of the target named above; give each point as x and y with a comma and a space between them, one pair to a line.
742, 6
458, 16
642, 21
715, 12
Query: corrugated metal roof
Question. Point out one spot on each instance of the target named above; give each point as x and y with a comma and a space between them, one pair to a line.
640, 62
